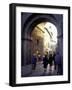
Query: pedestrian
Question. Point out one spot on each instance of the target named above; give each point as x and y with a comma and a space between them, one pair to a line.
58, 63
54, 60
45, 62
50, 60
34, 60
39, 58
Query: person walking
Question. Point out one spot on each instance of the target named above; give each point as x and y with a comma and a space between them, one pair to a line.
34, 60
45, 62
54, 60
50, 60
58, 63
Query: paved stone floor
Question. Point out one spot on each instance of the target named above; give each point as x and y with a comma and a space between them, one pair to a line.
39, 71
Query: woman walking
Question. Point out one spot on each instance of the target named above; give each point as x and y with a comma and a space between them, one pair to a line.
50, 61
45, 62
34, 60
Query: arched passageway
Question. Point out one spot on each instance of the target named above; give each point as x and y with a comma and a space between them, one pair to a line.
44, 39
41, 33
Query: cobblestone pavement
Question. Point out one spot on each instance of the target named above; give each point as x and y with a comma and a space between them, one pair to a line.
39, 71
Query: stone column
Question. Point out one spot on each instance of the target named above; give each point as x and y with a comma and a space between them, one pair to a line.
26, 51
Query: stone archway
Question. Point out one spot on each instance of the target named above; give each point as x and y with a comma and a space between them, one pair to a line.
27, 28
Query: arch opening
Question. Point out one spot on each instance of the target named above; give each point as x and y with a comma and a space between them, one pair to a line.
44, 38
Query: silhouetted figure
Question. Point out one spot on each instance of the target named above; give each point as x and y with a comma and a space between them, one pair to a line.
54, 60
58, 63
34, 60
50, 60
45, 62
39, 58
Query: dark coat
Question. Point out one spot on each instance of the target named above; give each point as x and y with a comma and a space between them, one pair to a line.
45, 61
34, 60
58, 59
54, 56
50, 59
